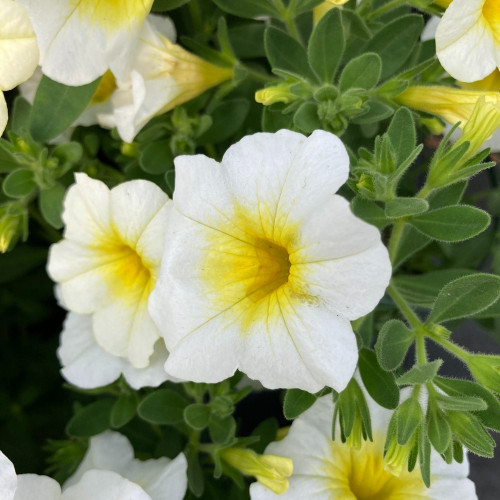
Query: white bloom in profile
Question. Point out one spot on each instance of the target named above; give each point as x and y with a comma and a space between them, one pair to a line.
468, 39
331, 470
80, 40
265, 266
110, 458
87, 365
108, 471
18, 51
108, 262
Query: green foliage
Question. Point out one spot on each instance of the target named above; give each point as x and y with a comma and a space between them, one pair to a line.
163, 406
394, 340
91, 419
297, 402
420, 373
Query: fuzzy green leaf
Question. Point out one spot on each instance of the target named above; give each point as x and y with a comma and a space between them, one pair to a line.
296, 402
393, 342
420, 374
405, 207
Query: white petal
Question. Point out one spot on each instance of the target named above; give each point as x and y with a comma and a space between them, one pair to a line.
30, 486
163, 25
4, 116
18, 47
28, 88
429, 31
452, 489
301, 488
162, 479
8, 478
465, 44
104, 485
85, 364
108, 451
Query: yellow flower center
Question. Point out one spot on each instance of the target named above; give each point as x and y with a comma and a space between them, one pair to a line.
113, 15
127, 276
106, 87
359, 474
491, 14
250, 267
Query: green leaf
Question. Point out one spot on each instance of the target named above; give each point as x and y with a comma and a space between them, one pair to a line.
450, 195
68, 155
405, 207
470, 432
465, 296
91, 419
247, 40
227, 118
266, 431
395, 41
249, 8
326, 45
381, 385
163, 407
57, 106
422, 290
377, 111
420, 374
306, 118
362, 72
409, 416
50, 203
196, 416
196, 481
164, 5
369, 212
402, 134
411, 242
8, 161
123, 410
221, 430
302, 6
20, 116
438, 430
274, 120
156, 157
284, 52
296, 402
393, 342
454, 387
461, 403
19, 183
454, 223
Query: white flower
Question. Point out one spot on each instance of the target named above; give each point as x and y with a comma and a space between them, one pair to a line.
163, 75
18, 51
87, 365
468, 39
108, 471
108, 261
79, 41
331, 470
265, 266
111, 452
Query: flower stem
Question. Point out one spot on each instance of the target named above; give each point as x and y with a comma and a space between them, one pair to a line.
397, 232
451, 347
405, 308
385, 8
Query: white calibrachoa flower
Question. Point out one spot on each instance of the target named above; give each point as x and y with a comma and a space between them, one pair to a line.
18, 51
108, 471
87, 365
265, 266
468, 39
80, 40
331, 470
108, 262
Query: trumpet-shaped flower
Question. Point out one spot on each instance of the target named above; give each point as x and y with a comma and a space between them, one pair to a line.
468, 39
163, 75
332, 470
109, 471
270, 470
80, 40
265, 266
87, 365
18, 51
108, 262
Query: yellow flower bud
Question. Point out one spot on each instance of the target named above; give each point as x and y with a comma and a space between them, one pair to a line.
11, 225
452, 104
278, 93
270, 470
486, 370
443, 3
323, 8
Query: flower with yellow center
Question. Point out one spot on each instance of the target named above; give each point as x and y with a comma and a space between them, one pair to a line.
80, 39
108, 262
18, 51
265, 266
468, 39
332, 470
271, 471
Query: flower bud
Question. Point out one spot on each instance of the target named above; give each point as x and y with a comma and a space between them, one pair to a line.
11, 227
323, 8
486, 370
270, 470
278, 93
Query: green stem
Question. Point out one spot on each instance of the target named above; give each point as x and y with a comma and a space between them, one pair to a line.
420, 347
405, 308
425, 191
261, 77
397, 232
453, 348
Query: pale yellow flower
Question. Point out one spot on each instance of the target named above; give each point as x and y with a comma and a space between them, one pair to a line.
323, 8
